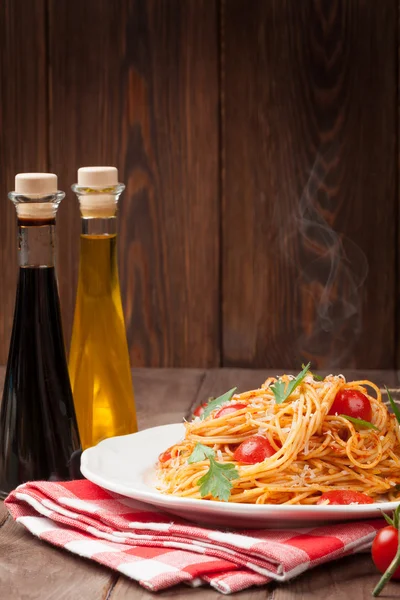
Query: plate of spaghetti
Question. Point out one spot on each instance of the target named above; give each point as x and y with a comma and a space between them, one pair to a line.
296, 450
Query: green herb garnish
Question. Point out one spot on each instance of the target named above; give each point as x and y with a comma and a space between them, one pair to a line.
360, 422
217, 481
314, 375
217, 403
282, 390
200, 452
395, 408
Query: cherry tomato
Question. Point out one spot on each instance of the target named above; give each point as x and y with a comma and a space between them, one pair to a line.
344, 497
384, 548
254, 450
164, 456
199, 410
230, 408
353, 404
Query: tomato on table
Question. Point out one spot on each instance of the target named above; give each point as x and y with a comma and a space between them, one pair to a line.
384, 549
253, 450
344, 497
352, 403
229, 408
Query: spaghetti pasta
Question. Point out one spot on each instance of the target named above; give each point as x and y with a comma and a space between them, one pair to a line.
313, 451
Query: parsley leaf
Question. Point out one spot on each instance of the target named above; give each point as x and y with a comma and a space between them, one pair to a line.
360, 422
394, 406
318, 377
217, 403
314, 375
282, 390
200, 452
217, 480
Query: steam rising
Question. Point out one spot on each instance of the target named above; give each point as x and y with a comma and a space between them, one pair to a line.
332, 272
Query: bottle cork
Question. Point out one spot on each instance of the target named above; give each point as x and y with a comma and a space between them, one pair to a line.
98, 191
30, 191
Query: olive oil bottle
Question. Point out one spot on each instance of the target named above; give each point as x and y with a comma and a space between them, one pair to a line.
99, 358
38, 430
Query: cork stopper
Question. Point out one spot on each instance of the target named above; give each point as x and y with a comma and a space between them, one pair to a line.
35, 185
97, 177
98, 191
36, 195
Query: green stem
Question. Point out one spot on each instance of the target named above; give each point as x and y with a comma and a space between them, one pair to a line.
390, 570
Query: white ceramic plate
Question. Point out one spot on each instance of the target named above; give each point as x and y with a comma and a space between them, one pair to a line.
126, 465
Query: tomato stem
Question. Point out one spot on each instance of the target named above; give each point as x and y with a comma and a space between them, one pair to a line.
391, 568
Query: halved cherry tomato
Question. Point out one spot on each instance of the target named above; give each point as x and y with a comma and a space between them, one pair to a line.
199, 410
384, 548
254, 450
352, 403
164, 456
344, 497
229, 408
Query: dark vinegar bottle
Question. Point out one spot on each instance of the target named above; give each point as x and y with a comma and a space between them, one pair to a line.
38, 430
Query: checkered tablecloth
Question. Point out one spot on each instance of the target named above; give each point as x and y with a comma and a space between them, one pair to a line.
159, 551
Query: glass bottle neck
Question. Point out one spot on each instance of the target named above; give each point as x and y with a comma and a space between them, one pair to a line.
36, 242
99, 225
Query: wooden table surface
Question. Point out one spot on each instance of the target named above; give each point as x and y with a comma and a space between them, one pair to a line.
31, 569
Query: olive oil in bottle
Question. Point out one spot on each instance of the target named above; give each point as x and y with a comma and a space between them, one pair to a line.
99, 358
38, 430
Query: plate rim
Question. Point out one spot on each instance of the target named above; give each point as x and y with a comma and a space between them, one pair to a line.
176, 502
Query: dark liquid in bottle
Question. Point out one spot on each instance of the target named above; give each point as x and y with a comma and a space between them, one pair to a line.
38, 431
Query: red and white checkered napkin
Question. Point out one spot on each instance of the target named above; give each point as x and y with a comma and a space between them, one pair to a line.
159, 551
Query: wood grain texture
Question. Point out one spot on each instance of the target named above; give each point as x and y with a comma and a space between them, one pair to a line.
124, 590
23, 130
31, 570
306, 104
164, 395
352, 577
309, 205
3, 514
135, 84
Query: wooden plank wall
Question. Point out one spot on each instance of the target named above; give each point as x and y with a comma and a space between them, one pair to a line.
145, 98
258, 142
23, 129
309, 117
